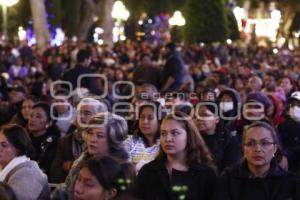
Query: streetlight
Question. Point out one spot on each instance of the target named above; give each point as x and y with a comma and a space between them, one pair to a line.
5, 4
120, 13
177, 19
175, 22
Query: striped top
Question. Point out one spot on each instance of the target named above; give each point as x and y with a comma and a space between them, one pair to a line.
139, 154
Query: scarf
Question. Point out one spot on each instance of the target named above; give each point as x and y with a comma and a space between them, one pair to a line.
78, 145
11, 165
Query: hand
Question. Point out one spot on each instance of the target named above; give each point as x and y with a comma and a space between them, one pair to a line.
284, 164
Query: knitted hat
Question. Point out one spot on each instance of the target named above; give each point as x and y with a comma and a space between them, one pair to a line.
259, 97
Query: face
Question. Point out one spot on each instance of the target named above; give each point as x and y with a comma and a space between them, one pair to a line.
261, 154
286, 85
209, 96
26, 108
87, 187
7, 151
119, 75
173, 138
97, 141
38, 120
146, 61
16, 96
239, 84
85, 113
172, 100
254, 84
269, 80
62, 104
206, 121
148, 122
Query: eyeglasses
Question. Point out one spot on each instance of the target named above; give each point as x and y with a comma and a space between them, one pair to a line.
263, 144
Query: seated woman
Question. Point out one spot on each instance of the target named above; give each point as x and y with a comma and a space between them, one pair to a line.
104, 178
70, 147
18, 171
44, 135
143, 146
225, 148
21, 118
105, 135
183, 168
258, 177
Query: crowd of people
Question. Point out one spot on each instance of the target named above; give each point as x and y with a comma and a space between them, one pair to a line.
143, 121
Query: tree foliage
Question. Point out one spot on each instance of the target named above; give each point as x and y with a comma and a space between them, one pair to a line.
233, 30
205, 21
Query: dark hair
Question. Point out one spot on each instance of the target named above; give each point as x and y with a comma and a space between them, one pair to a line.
6, 193
196, 149
61, 92
83, 54
112, 173
29, 97
19, 138
37, 89
45, 107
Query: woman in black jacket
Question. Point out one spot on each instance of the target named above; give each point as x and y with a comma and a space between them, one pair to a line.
224, 147
184, 166
258, 177
44, 135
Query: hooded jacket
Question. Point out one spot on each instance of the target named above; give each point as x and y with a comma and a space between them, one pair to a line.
224, 123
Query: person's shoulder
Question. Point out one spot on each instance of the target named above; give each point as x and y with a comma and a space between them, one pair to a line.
203, 169
234, 171
29, 169
153, 165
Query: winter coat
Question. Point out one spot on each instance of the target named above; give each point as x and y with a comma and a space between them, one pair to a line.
225, 149
153, 182
28, 182
237, 184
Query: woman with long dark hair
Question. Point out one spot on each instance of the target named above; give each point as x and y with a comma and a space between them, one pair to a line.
184, 167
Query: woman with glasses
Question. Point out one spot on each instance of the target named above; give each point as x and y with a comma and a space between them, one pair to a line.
183, 168
259, 176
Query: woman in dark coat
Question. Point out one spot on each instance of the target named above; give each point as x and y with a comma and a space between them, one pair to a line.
184, 166
44, 135
259, 176
224, 147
